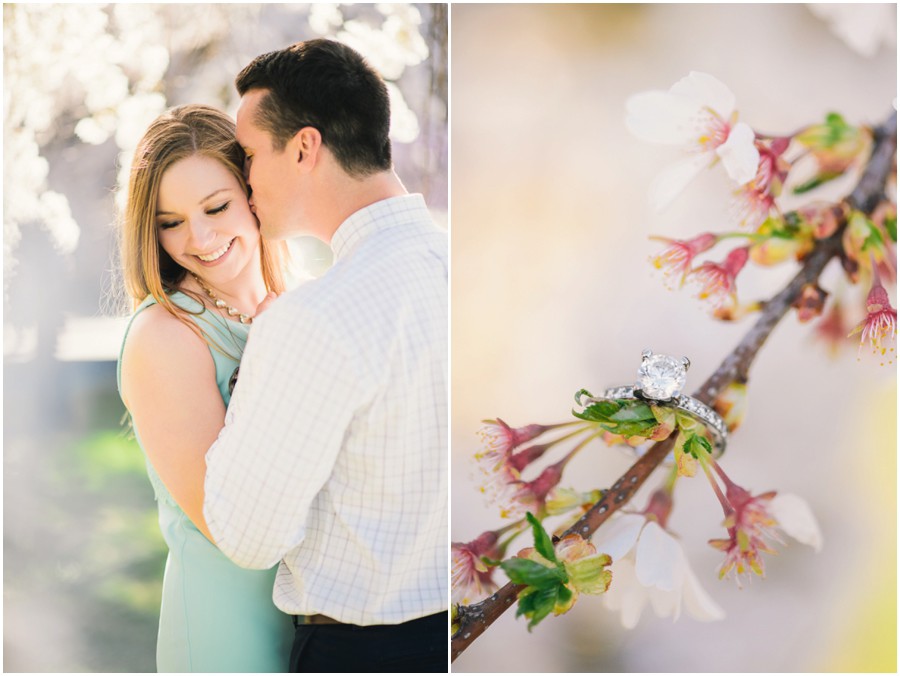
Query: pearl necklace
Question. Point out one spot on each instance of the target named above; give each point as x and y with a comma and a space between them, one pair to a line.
222, 305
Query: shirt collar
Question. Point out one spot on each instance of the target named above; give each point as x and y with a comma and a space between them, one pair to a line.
375, 217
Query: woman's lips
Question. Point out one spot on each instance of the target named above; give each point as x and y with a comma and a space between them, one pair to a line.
216, 256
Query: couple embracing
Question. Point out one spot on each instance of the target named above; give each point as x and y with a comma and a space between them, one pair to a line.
315, 475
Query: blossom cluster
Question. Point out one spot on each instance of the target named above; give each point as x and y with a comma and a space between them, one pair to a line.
635, 560
604, 546
104, 72
699, 115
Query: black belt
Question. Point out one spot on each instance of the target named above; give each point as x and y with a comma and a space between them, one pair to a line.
313, 619
324, 619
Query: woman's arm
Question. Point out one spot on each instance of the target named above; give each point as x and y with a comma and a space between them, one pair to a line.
169, 386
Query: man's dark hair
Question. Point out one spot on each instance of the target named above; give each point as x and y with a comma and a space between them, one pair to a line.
329, 86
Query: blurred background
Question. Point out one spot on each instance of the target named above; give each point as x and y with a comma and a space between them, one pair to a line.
552, 292
83, 558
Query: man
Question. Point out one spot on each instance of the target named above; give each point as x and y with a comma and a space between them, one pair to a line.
334, 454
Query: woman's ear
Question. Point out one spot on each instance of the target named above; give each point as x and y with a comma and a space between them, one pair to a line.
305, 146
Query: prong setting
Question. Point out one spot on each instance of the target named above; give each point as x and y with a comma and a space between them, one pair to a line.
660, 377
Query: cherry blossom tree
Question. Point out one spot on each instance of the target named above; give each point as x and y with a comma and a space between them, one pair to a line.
786, 211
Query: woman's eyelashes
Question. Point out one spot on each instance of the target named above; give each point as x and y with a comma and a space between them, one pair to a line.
212, 212
219, 209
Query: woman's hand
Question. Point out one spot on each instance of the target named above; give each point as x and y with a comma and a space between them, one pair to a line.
265, 303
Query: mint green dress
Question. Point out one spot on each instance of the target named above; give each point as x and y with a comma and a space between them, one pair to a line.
214, 615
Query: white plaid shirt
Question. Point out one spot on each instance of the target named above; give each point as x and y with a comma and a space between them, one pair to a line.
333, 458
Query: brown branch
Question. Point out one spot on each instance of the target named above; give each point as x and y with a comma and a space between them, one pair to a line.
475, 619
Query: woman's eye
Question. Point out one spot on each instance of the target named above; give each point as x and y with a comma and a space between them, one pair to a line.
219, 209
169, 224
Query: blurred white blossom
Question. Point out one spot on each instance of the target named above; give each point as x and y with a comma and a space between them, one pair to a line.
99, 69
404, 123
54, 211
401, 10
863, 27
387, 57
390, 48
95, 74
325, 17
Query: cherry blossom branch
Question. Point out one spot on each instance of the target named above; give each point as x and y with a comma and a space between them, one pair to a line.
475, 619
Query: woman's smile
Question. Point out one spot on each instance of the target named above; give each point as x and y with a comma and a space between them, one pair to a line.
205, 223
216, 256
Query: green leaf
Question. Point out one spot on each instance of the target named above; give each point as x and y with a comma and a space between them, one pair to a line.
542, 541
703, 441
599, 411
642, 428
637, 410
621, 416
829, 134
563, 595
890, 224
816, 181
695, 444
636, 419
536, 604
874, 239
838, 128
532, 573
580, 394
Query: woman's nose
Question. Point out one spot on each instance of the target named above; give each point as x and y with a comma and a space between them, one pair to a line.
202, 233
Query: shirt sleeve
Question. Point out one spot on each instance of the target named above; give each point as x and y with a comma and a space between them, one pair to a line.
290, 410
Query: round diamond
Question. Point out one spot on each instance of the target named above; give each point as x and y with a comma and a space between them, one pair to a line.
661, 376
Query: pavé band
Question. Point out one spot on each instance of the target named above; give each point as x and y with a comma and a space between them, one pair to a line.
694, 407
660, 381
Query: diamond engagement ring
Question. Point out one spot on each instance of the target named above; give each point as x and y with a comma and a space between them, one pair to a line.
660, 381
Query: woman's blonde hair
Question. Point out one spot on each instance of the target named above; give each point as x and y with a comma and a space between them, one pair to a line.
178, 133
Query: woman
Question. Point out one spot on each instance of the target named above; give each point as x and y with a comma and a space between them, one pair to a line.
197, 271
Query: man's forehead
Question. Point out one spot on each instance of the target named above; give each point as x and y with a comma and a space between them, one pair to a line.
246, 114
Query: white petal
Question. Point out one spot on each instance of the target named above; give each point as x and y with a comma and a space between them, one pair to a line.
862, 27
666, 603
698, 603
618, 538
658, 559
739, 154
796, 519
625, 594
659, 117
707, 91
669, 183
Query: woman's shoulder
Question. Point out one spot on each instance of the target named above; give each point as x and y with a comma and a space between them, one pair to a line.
161, 346
157, 328
157, 335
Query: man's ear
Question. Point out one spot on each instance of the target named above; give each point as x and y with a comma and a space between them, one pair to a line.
305, 147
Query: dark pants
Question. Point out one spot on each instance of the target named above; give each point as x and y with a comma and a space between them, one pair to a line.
418, 645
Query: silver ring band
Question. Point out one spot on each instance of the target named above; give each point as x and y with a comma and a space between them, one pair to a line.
694, 407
